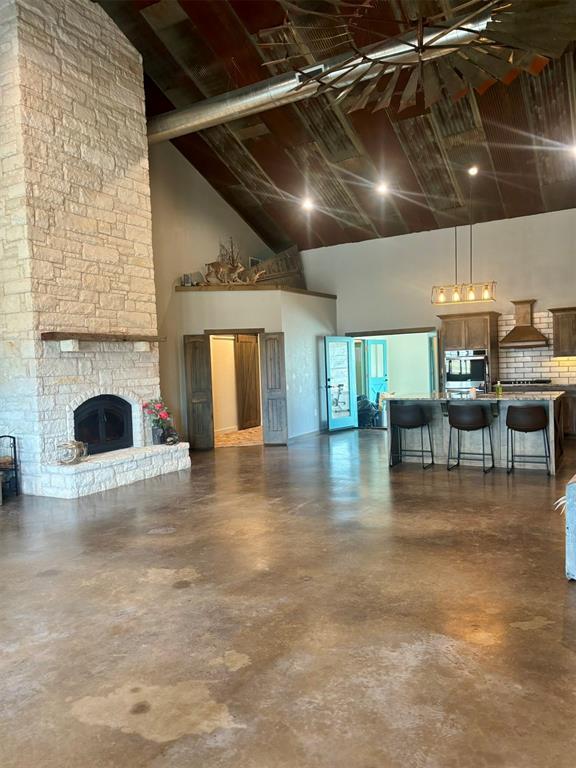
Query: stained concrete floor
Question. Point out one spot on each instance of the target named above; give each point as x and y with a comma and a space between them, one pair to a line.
290, 608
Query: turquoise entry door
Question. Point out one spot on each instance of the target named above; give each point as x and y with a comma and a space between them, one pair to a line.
376, 366
341, 382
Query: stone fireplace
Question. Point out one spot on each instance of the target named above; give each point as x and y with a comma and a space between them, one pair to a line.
78, 327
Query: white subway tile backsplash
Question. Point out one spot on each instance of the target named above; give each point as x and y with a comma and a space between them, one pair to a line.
535, 363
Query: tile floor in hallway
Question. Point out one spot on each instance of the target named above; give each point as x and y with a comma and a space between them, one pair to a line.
251, 436
290, 608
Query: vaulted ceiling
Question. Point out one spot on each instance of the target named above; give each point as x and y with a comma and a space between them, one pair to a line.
517, 133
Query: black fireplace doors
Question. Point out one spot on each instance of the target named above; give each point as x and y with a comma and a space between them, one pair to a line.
104, 423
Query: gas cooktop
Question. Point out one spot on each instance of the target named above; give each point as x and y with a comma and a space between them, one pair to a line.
521, 382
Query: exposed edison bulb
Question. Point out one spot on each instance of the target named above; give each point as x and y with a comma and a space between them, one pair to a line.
456, 294
308, 204
471, 293
486, 293
441, 296
473, 170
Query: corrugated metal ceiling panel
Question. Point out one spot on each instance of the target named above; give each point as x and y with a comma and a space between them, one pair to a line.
428, 162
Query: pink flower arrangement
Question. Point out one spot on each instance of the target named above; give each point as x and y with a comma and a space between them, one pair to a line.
158, 413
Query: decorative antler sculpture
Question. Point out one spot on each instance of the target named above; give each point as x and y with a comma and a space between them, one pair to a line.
228, 268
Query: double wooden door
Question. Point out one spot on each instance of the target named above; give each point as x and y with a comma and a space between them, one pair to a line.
260, 367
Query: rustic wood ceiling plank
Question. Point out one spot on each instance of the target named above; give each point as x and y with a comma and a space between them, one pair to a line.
227, 35
223, 36
229, 40
292, 181
258, 14
360, 177
209, 164
505, 123
387, 155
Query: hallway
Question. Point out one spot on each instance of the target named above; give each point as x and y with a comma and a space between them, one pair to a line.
240, 437
292, 607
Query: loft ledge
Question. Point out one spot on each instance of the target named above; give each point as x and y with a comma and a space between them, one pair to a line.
74, 336
230, 287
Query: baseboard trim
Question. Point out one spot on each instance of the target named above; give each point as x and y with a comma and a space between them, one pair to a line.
305, 434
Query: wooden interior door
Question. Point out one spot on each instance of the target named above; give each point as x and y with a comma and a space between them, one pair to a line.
247, 380
199, 392
273, 377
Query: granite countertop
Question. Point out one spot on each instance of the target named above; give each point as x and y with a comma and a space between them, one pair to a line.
554, 395
506, 396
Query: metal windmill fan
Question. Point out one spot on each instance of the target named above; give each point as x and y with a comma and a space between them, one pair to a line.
476, 45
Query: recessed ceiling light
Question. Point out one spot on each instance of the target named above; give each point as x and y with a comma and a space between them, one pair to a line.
382, 188
308, 204
473, 170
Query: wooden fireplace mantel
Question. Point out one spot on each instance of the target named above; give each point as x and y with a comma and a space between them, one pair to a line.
76, 336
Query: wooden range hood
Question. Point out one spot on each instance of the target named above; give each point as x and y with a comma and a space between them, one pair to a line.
524, 335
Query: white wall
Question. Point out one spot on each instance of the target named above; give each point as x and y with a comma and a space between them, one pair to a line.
194, 312
198, 311
305, 321
189, 219
386, 283
409, 363
224, 383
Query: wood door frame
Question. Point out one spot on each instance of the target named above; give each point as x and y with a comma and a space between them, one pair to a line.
208, 332
392, 332
234, 331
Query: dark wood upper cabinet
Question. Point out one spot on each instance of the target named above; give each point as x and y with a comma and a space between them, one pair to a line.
453, 333
477, 330
472, 331
564, 331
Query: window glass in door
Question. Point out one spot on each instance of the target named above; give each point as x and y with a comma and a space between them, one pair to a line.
376, 368
341, 382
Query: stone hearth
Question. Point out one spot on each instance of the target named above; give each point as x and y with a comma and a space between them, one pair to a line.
75, 237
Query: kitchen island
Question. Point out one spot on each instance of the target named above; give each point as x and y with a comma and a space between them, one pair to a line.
435, 407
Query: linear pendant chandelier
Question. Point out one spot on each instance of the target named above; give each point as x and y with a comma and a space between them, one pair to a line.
464, 292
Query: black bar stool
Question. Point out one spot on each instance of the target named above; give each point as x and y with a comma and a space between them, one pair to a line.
469, 418
526, 418
409, 417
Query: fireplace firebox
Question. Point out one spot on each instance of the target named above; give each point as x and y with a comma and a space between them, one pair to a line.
104, 423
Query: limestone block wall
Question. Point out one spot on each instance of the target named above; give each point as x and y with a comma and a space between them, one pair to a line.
18, 383
87, 186
75, 221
